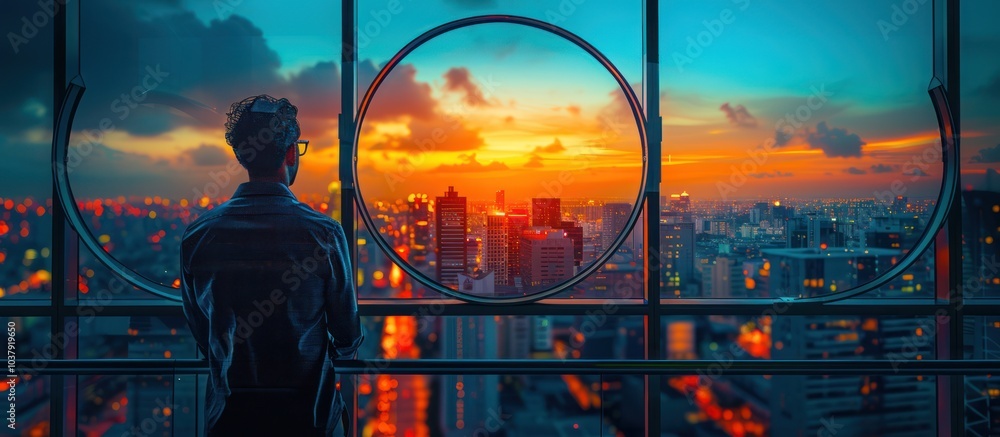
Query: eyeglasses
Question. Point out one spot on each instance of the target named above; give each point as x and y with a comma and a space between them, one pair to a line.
302, 146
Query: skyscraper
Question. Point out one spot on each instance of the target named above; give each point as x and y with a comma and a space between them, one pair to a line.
450, 233
499, 202
546, 256
614, 216
517, 222
862, 405
418, 219
575, 233
546, 212
680, 202
677, 256
495, 247
806, 272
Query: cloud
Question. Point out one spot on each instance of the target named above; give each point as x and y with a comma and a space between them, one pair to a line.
776, 174
402, 98
738, 115
836, 142
854, 171
573, 109
535, 161
553, 147
469, 164
782, 138
987, 155
442, 135
917, 173
400, 95
458, 79
883, 168
206, 155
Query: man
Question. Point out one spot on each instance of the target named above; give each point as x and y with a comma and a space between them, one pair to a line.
268, 291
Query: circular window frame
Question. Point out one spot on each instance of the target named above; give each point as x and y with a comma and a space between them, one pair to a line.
634, 105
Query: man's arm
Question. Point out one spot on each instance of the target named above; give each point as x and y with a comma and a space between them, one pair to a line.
196, 318
343, 323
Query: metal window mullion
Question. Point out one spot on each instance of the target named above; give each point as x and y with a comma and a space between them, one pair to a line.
686, 307
954, 226
348, 108
651, 228
60, 256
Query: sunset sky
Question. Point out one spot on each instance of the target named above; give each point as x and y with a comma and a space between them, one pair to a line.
519, 107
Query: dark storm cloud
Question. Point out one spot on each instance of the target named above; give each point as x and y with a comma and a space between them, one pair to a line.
738, 115
206, 155
883, 168
836, 142
987, 155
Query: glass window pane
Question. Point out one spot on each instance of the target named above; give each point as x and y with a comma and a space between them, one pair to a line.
598, 335
797, 151
157, 405
26, 141
148, 151
29, 393
980, 145
508, 405
779, 337
135, 337
824, 405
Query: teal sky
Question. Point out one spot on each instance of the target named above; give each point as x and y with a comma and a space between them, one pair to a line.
766, 60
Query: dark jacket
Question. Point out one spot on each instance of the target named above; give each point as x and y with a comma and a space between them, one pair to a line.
268, 293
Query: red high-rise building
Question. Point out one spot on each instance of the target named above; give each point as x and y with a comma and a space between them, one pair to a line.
546, 212
517, 222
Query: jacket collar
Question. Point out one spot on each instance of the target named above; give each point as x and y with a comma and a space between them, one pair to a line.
258, 188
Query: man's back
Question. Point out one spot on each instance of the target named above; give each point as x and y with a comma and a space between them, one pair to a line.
267, 283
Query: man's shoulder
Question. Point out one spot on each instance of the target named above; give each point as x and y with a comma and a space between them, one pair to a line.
297, 214
316, 217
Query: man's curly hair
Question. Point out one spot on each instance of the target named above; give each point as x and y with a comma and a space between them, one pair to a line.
260, 129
